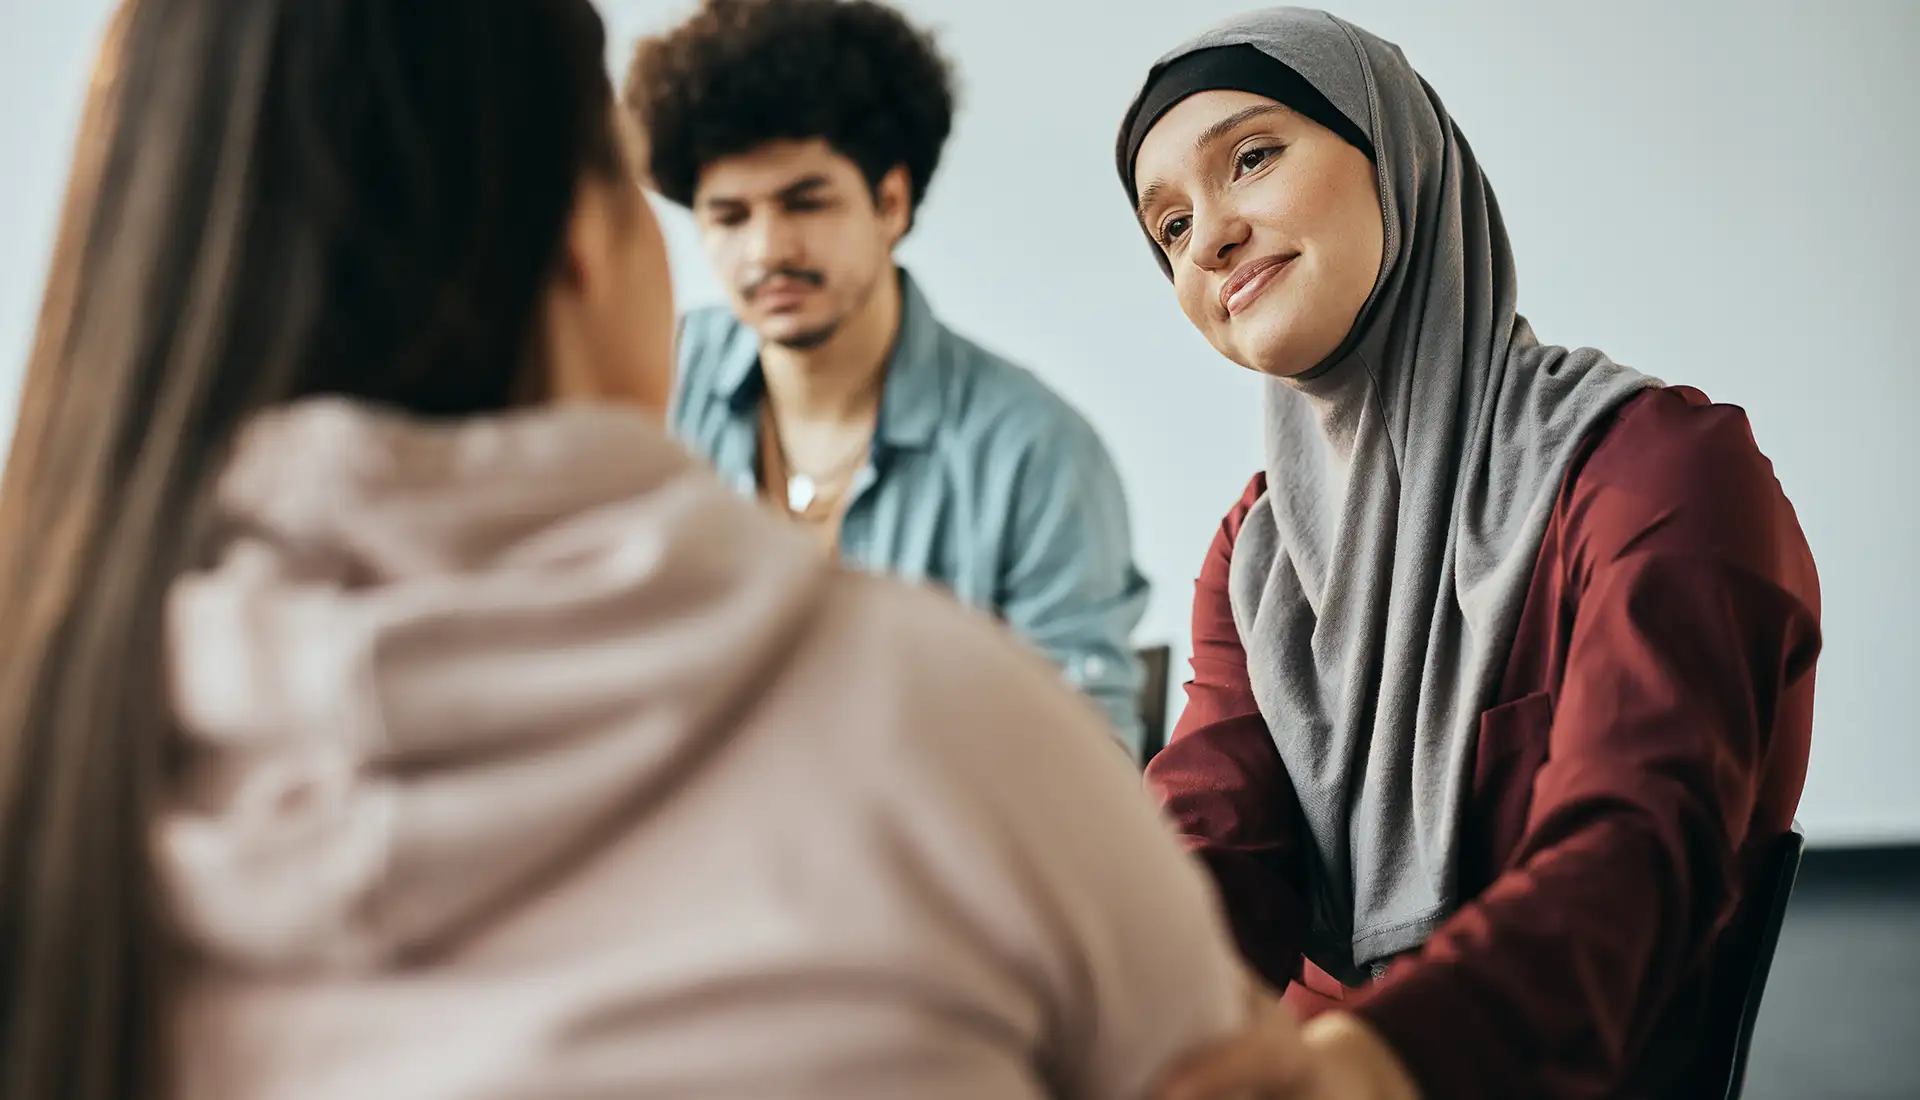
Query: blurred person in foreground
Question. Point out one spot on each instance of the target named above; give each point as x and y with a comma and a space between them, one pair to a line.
1504, 663
391, 709
803, 135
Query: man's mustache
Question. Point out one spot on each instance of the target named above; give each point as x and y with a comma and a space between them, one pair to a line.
813, 279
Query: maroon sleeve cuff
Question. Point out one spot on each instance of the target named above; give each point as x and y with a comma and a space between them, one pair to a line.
1453, 1049
1266, 920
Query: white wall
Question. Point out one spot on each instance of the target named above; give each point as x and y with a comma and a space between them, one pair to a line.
46, 51
1719, 193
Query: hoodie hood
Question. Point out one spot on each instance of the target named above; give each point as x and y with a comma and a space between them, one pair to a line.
395, 687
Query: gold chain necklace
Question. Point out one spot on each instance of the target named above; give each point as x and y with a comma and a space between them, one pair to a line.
805, 490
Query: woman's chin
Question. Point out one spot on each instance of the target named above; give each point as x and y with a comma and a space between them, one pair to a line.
1277, 358
1275, 345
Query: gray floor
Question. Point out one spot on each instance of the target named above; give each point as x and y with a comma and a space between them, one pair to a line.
1841, 1017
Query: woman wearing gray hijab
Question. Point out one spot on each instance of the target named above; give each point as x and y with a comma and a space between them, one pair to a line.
1503, 665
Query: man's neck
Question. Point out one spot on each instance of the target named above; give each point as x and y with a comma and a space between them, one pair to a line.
839, 381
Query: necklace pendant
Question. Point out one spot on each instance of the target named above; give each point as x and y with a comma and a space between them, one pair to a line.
800, 493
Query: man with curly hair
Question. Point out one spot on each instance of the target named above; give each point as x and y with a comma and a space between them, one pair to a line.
803, 134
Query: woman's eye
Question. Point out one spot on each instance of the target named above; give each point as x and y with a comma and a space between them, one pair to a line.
1174, 229
1254, 158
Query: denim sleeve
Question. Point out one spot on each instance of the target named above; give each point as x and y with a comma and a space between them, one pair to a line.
694, 416
687, 349
1068, 581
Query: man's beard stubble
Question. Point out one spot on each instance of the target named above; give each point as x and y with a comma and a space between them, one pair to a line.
814, 338
810, 340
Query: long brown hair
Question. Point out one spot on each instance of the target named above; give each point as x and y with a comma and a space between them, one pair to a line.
270, 199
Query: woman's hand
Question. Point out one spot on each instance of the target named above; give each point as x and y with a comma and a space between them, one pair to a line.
1335, 1056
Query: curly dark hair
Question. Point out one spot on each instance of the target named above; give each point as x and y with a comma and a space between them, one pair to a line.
742, 73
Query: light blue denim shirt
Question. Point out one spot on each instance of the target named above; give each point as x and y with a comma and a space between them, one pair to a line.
980, 479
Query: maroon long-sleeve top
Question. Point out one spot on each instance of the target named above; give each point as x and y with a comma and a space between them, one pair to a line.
1649, 738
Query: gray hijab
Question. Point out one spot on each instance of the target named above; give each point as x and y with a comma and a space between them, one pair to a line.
1378, 583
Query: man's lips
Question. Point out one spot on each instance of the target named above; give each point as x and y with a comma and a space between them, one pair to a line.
782, 293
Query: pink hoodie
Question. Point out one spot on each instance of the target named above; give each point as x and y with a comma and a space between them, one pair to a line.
525, 760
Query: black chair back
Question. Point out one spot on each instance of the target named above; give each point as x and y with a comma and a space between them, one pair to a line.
1153, 700
1764, 911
